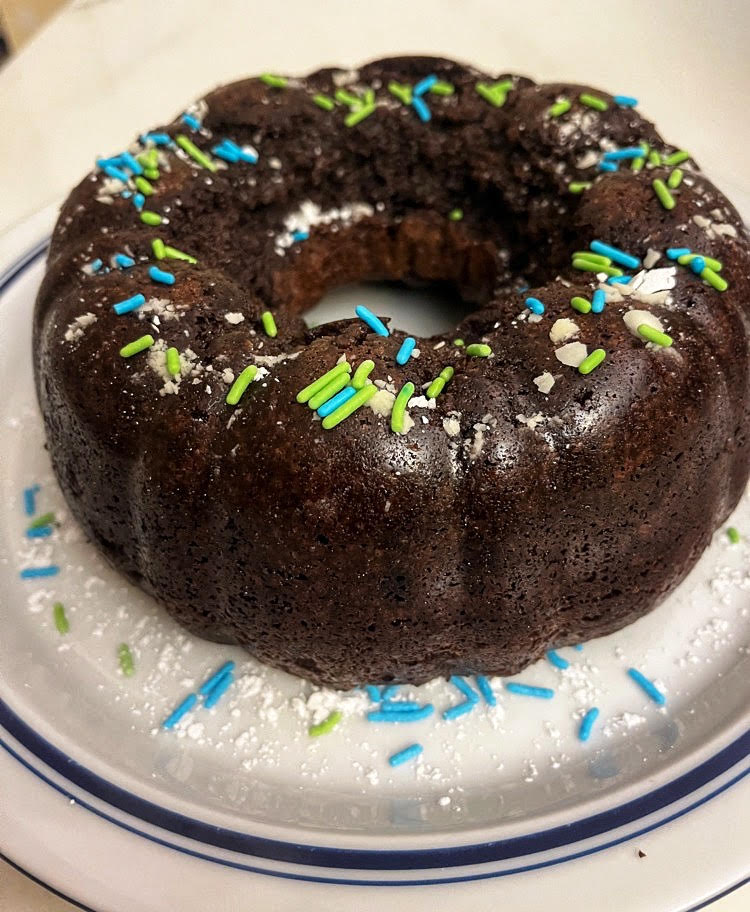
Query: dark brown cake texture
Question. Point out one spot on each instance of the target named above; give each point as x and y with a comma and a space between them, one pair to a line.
511, 513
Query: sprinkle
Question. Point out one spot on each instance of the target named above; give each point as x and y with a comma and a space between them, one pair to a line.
496, 94
593, 101
697, 264
139, 201
124, 262
478, 350
733, 535
150, 218
625, 101
348, 408
269, 324
242, 153
663, 195
466, 689
557, 660
151, 173
194, 152
173, 253
191, 121
226, 153
304, 394
362, 373
351, 120
326, 726
298, 236
398, 705
587, 265
459, 342
562, 106
595, 258
389, 691
423, 112
535, 305
437, 385
373, 693
446, 373
95, 265
407, 347
45, 519
578, 647
424, 85
130, 162
714, 280
654, 158
237, 390
114, 172
29, 500
674, 253
675, 179
149, 158
442, 88
578, 186
159, 275
402, 92
39, 572
329, 390
158, 139
592, 361
183, 709
144, 186
399, 407
648, 686
347, 98
460, 709
39, 532
615, 254
371, 320
125, 659
686, 258
129, 304
138, 345
599, 300
335, 401
526, 690
623, 154
408, 753
580, 304
677, 158
159, 249
275, 82
411, 715
587, 723
607, 166
173, 361
455, 215
210, 682
485, 688
61, 621
221, 686
323, 101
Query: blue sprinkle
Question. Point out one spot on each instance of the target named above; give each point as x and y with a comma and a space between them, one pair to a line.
587, 723
123, 307
535, 305
578, 647
619, 280
625, 101
187, 704
226, 152
648, 686
615, 254
424, 85
407, 347
96, 265
160, 275
373, 693
218, 690
38, 572
466, 689
557, 660
372, 321
158, 139
622, 154
698, 264
675, 252
115, 172
126, 194
123, 261
486, 690
191, 121
129, 162
244, 154
410, 715
29, 499
209, 683
139, 201
39, 532
607, 166
335, 401
300, 235
526, 690
399, 705
460, 709
421, 108
389, 691
408, 753
599, 300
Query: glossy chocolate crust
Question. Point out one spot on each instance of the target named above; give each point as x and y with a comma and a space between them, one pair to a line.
474, 542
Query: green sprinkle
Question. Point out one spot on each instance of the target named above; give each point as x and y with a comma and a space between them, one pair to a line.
157, 245
369, 96
496, 94
654, 158
46, 519
350, 406
275, 82
269, 324
578, 186
455, 215
593, 257
326, 726
323, 101
478, 350
442, 88
593, 360
125, 659
362, 373
173, 361
686, 258
151, 173
733, 535
138, 345
580, 304
435, 388
143, 185
329, 390
653, 335
399, 407
174, 254
347, 98
586, 265
675, 179
351, 120
305, 394
559, 107
714, 280
61, 620
150, 218
637, 164
447, 373
149, 158
194, 152
237, 390
677, 158
663, 195
402, 92
593, 101
459, 343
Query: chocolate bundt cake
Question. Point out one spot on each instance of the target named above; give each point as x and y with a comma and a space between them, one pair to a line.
346, 502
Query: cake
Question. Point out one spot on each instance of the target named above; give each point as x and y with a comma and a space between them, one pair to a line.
544, 473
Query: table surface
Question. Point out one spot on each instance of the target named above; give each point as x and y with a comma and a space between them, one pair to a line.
104, 70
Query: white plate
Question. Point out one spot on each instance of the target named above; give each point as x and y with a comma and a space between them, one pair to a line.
505, 805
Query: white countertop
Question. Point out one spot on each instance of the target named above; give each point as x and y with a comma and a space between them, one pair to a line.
104, 70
